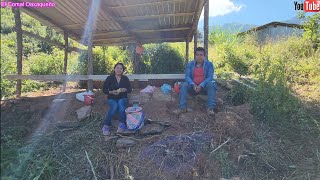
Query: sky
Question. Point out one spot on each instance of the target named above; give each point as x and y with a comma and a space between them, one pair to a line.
255, 12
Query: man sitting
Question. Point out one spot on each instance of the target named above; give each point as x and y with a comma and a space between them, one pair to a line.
199, 79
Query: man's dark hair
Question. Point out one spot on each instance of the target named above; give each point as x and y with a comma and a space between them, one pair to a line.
201, 49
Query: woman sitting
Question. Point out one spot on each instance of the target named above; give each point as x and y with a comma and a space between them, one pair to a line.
116, 86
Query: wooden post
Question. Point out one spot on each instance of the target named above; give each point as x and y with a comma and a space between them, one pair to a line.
90, 61
187, 51
18, 28
206, 26
136, 60
195, 41
65, 65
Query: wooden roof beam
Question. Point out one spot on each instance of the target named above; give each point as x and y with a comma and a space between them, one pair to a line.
115, 39
123, 25
199, 7
163, 40
160, 30
131, 18
69, 26
108, 33
148, 4
111, 33
114, 43
47, 21
59, 44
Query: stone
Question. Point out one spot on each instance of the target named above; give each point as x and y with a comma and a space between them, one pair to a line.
84, 112
163, 123
127, 132
125, 143
151, 129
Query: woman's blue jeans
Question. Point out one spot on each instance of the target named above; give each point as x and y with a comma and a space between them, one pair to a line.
114, 106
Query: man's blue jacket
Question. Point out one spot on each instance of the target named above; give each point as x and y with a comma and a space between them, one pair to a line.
208, 72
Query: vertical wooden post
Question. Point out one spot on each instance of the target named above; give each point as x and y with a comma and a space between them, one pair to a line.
65, 65
90, 61
18, 29
136, 60
206, 26
195, 41
187, 51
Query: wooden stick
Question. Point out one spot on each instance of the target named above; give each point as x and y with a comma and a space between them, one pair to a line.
92, 169
229, 139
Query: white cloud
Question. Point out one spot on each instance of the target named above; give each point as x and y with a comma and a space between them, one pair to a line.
222, 7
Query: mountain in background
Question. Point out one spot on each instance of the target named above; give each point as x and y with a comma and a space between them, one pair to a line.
293, 20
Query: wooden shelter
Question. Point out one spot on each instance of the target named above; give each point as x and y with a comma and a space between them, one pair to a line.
116, 22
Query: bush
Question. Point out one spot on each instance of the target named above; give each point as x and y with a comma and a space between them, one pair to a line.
161, 58
104, 60
46, 64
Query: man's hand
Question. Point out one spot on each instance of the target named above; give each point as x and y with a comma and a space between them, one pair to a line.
198, 89
195, 87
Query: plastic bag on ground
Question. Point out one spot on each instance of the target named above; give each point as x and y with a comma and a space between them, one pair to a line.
80, 96
149, 89
166, 88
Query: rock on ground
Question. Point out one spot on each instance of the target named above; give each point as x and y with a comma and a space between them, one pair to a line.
151, 129
83, 112
125, 143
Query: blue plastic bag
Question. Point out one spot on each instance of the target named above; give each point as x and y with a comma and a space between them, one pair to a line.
166, 88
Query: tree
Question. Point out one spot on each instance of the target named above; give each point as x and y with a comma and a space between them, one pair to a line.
311, 25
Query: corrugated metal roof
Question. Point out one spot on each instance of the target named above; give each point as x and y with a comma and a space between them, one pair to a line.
274, 24
123, 21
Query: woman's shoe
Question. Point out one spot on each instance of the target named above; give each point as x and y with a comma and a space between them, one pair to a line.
106, 130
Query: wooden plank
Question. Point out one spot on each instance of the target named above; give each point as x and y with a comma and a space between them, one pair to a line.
195, 41
49, 77
152, 16
160, 30
163, 40
206, 27
115, 33
113, 43
90, 60
46, 20
113, 17
108, 33
76, 78
18, 28
80, 25
115, 39
187, 52
142, 76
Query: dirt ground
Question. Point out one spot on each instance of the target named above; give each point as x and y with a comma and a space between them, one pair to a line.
233, 123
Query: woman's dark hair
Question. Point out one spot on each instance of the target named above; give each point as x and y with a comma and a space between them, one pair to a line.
119, 63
